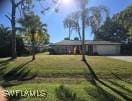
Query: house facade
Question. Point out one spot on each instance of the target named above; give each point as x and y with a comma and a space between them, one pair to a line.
91, 47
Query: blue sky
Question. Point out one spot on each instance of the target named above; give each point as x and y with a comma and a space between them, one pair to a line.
55, 20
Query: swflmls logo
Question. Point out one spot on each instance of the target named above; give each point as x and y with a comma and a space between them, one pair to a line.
25, 93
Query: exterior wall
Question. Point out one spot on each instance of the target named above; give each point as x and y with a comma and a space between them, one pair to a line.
86, 47
99, 49
66, 49
107, 49
60, 49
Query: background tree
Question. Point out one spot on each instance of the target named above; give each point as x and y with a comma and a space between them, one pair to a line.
111, 31
34, 30
124, 17
5, 43
118, 28
5, 40
76, 38
66, 38
4, 32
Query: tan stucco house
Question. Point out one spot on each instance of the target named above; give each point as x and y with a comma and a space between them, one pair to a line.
91, 47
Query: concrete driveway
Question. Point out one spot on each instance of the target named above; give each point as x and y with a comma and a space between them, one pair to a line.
124, 58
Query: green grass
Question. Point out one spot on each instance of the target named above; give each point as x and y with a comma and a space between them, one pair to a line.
85, 91
68, 70
64, 65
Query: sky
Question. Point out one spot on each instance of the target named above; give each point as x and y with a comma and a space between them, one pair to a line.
55, 20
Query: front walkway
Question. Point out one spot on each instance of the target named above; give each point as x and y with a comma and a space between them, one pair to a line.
124, 58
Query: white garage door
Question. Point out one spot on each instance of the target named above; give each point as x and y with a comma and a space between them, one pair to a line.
108, 49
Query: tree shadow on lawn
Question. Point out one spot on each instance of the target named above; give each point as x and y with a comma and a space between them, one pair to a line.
5, 61
15, 76
65, 94
19, 73
102, 94
121, 87
120, 78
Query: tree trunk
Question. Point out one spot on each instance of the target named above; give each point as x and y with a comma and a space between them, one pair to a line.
33, 45
13, 25
83, 36
69, 34
79, 34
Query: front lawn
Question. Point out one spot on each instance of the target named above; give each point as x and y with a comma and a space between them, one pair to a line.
51, 71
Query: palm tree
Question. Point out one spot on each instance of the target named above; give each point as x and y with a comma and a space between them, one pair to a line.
34, 30
71, 24
88, 17
68, 23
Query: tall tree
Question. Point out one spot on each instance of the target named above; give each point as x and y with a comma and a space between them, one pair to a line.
34, 29
22, 4
88, 17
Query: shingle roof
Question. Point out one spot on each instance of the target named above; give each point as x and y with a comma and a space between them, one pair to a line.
78, 42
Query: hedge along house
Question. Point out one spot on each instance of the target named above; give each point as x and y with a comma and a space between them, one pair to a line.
91, 47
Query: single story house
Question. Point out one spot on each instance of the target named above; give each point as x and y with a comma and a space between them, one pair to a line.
39, 48
91, 47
